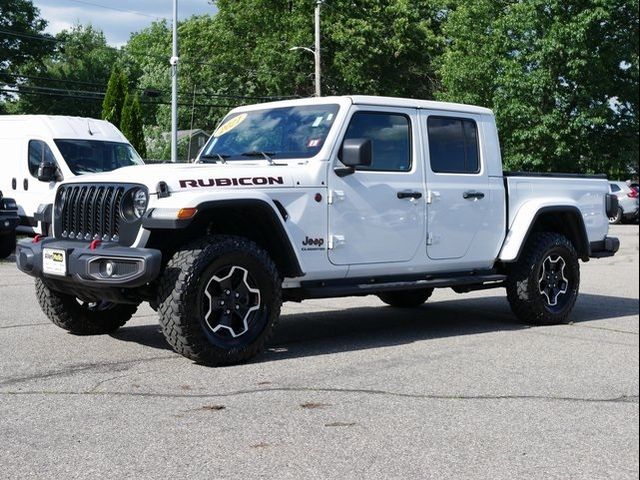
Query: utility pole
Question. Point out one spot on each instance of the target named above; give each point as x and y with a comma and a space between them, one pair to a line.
316, 53
174, 86
316, 50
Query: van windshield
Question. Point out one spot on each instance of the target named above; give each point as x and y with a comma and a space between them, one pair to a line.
93, 156
285, 132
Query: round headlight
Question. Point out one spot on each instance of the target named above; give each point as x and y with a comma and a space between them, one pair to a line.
135, 204
140, 200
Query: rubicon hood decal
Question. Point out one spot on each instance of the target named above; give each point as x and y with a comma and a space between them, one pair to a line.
231, 182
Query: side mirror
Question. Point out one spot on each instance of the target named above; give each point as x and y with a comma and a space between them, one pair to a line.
47, 171
355, 152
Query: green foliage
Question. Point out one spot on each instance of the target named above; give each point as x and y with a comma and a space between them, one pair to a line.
22, 17
131, 124
115, 97
562, 77
81, 55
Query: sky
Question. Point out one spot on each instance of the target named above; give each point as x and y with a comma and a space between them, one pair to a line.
116, 18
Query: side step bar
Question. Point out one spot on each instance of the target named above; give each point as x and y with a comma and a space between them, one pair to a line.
465, 283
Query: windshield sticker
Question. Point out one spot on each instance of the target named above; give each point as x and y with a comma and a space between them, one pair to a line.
313, 143
317, 122
329, 117
230, 125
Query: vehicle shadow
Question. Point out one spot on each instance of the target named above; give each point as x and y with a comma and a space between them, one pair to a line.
362, 328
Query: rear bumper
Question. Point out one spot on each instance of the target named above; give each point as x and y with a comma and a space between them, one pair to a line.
105, 266
604, 248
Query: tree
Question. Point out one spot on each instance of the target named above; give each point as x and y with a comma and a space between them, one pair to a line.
115, 97
562, 77
21, 40
131, 124
71, 79
372, 47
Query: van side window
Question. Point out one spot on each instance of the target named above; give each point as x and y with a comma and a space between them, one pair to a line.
453, 145
39, 151
390, 139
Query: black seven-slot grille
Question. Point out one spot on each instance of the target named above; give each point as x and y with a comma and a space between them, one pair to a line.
93, 212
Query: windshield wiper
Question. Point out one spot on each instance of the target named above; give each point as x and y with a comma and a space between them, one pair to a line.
222, 157
258, 153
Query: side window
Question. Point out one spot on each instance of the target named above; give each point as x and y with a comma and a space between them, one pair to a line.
390, 139
453, 145
614, 188
38, 151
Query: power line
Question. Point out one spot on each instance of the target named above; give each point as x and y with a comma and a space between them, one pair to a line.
142, 89
27, 35
78, 95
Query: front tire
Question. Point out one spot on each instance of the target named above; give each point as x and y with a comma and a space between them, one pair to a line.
219, 300
406, 298
82, 318
542, 288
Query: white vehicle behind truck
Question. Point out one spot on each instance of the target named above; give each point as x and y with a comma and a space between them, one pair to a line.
316, 198
39, 151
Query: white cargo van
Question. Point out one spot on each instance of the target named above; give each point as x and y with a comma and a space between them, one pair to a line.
38, 151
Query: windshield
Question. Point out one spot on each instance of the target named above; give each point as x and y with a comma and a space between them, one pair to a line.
287, 132
92, 156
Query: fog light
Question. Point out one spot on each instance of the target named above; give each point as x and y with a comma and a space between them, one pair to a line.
109, 268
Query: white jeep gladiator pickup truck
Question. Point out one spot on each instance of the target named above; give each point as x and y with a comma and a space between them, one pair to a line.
315, 198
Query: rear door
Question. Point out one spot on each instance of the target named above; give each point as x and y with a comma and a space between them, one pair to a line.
464, 206
377, 214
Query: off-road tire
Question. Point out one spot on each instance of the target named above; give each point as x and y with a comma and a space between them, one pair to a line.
80, 318
523, 293
181, 299
618, 218
7, 244
406, 298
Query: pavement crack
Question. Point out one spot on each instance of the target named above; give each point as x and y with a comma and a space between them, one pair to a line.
417, 396
72, 370
607, 329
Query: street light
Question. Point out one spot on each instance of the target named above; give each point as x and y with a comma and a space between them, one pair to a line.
173, 61
315, 51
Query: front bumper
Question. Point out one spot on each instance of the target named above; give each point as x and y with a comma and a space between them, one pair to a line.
104, 266
604, 248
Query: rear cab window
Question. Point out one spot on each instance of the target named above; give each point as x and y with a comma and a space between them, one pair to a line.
453, 145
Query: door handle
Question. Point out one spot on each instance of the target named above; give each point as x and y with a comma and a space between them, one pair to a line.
409, 194
471, 194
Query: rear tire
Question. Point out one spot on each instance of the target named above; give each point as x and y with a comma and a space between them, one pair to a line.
82, 318
617, 218
219, 300
406, 298
7, 244
542, 287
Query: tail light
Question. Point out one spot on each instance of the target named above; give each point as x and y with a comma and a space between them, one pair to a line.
632, 194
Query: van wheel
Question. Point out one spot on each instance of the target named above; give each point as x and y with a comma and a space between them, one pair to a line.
406, 298
82, 318
542, 287
219, 300
7, 244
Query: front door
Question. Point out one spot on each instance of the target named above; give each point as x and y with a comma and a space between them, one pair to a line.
377, 213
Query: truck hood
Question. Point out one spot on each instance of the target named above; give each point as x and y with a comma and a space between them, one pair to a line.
185, 177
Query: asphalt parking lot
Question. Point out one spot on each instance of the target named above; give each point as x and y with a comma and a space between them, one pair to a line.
349, 389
